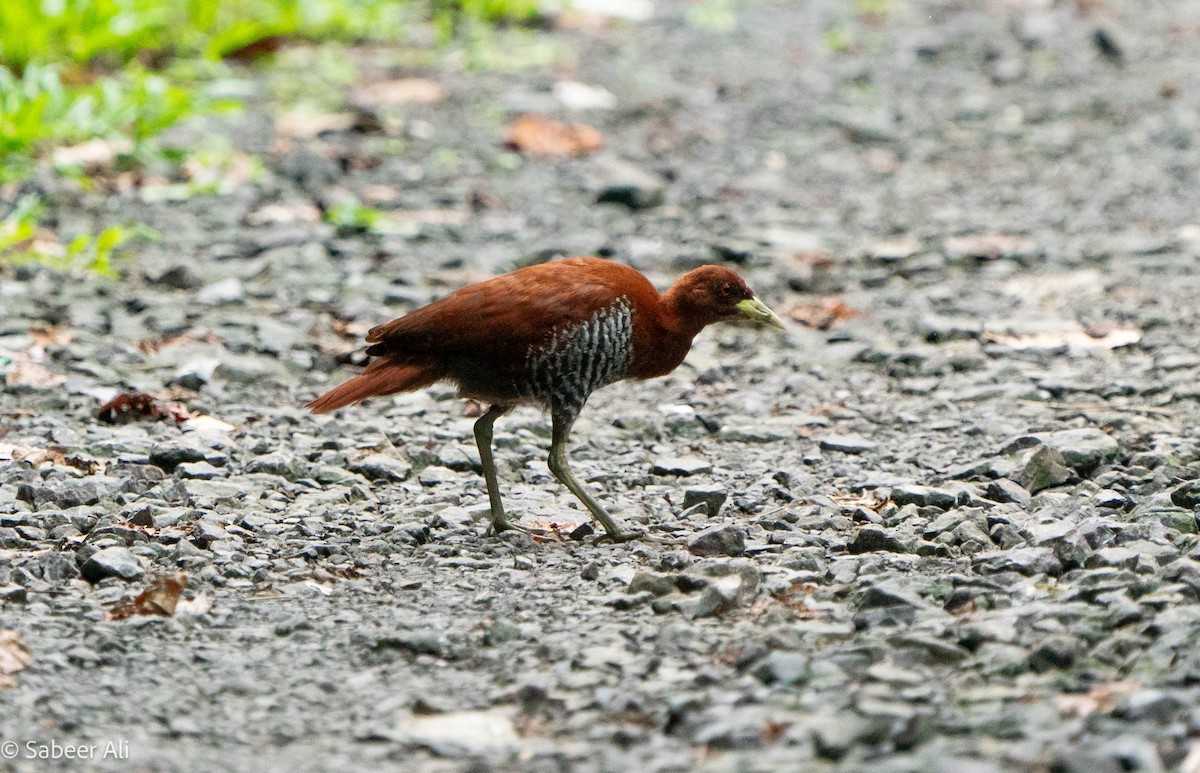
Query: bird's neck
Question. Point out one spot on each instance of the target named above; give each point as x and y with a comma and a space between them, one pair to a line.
675, 319
659, 347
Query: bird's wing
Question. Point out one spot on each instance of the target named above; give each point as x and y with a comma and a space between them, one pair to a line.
502, 317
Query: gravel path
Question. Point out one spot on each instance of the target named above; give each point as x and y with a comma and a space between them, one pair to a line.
951, 528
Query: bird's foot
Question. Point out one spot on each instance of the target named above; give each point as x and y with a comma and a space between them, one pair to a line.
629, 535
494, 529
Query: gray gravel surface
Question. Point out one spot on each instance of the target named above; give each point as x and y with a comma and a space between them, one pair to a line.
955, 532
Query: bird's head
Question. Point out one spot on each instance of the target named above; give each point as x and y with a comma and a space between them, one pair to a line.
713, 294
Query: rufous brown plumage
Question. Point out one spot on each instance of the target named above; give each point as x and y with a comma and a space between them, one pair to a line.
549, 334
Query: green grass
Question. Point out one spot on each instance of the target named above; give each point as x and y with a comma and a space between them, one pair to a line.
125, 70
74, 70
112, 33
22, 241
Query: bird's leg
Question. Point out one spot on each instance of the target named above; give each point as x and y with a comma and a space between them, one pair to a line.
483, 439
562, 470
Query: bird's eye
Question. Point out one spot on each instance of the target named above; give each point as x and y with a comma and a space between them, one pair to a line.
726, 289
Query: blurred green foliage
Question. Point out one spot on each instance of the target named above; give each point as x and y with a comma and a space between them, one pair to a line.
72, 70
19, 242
112, 33
78, 70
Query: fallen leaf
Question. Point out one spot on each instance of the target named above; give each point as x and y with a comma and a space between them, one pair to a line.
404, 91
284, 214
135, 406
14, 657
159, 599
45, 335
24, 372
302, 125
35, 456
93, 154
822, 313
537, 135
1101, 699
153, 345
205, 423
1075, 338
257, 49
987, 246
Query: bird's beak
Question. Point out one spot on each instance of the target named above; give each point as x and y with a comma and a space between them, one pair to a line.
753, 308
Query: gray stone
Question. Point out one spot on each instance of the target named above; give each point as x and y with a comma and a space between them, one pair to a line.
435, 476
723, 585
1069, 546
226, 290
180, 277
886, 604
718, 541
281, 463
171, 454
873, 538
112, 562
624, 183
16, 594
70, 493
1111, 498
846, 444
654, 582
1045, 468
712, 497
782, 667
922, 496
200, 471
1083, 450
680, 465
1187, 495
58, 567
1005, 490
382, 468
1027, 561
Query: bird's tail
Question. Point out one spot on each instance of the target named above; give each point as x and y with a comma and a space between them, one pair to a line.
382, 377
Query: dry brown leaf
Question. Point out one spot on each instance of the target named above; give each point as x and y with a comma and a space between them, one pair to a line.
14, 657
152, 345
301, 125
24, 372
284, 214
537, 135
821, 313
987, 246
1075, 338
35, 456
44, 335
1101, 699
404, 91
93, 154
257, 49
134, 406
205, 423
159, 599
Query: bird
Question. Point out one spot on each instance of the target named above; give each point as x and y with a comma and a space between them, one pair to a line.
549, 334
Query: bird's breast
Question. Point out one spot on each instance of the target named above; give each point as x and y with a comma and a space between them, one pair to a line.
577, 358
